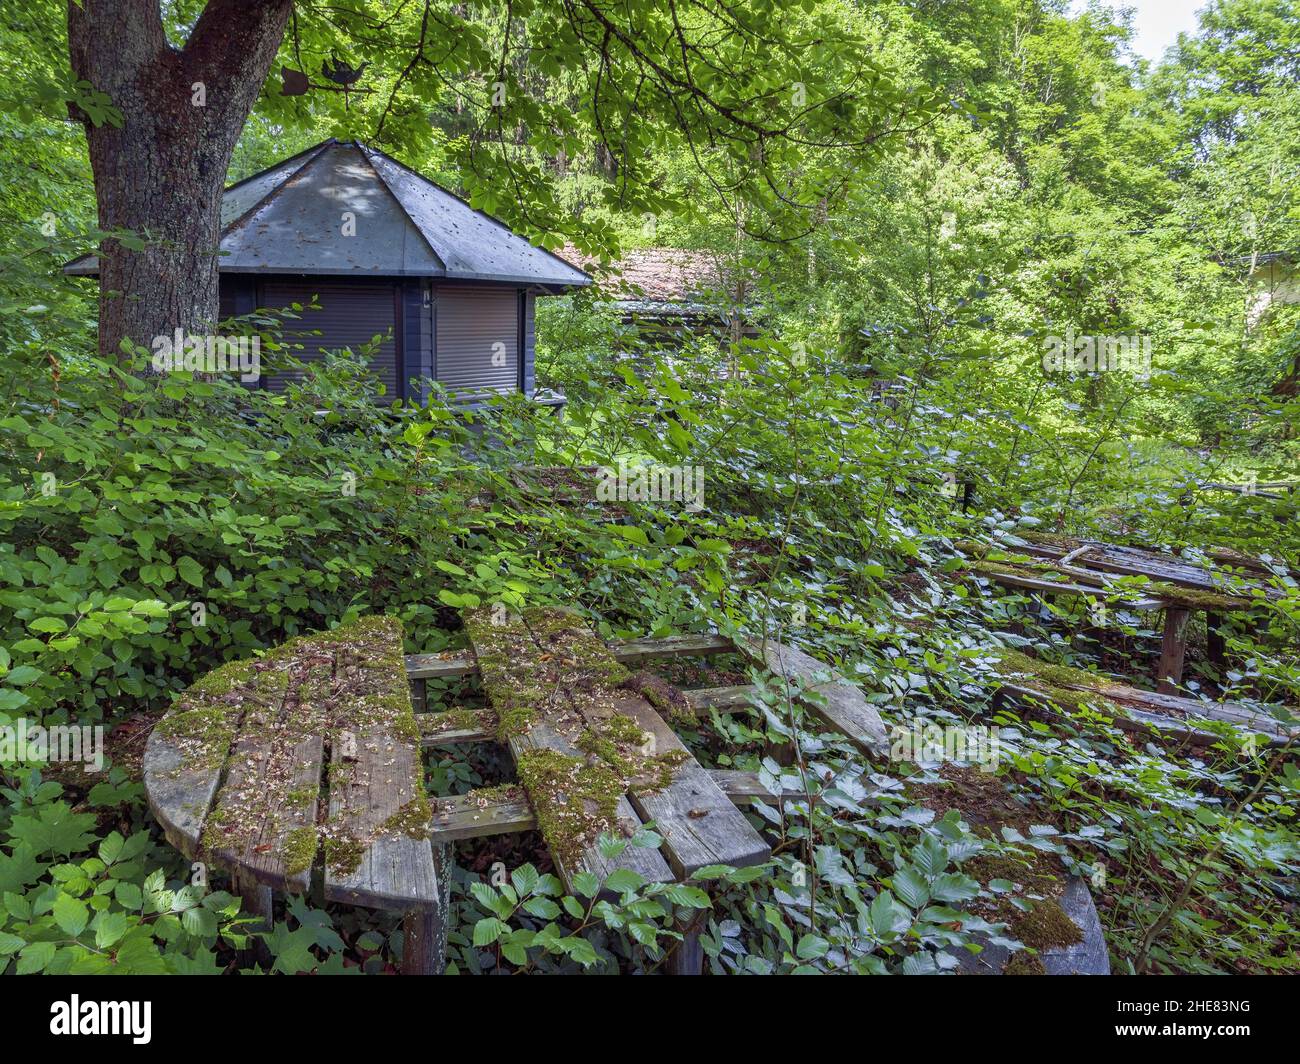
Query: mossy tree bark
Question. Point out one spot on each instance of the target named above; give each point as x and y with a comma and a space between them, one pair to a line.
162, 170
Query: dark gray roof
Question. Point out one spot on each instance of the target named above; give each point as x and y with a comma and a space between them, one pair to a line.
290, 219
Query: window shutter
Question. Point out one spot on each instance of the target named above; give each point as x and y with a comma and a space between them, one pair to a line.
478, 338
350, 315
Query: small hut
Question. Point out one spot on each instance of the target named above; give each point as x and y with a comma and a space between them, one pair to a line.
675, 295
385, 252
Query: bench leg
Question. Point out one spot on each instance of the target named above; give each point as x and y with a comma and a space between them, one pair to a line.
424, 931
1172, 651
688, 957
256, 901
1215, 647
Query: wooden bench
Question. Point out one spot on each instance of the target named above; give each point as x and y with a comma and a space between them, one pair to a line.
306, 762
1088, 568
1032, 683
308, 757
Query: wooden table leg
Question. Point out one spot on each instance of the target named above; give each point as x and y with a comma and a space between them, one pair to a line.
256, 901
1214, 643
424, 931
1172, 651
688, 957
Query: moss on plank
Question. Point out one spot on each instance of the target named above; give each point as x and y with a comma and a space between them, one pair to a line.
1024, 963
343, 853
1194, 598
662, 695
458, 719
1032, 909
574, 802
412, 819
299, 850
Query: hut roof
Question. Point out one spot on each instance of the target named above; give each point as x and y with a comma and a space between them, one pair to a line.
290, 219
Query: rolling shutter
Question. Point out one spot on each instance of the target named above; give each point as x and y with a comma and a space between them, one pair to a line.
478, 338
350, 315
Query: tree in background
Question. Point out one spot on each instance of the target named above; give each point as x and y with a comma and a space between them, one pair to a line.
773, 101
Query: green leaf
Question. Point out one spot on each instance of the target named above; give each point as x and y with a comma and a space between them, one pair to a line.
190, 571
199, 922
17, 905
129, 896
110, 848
109, 927
23, 675
71, 914
525, 878
633, 533
19, 868
35, 957
488, 930
587, 884
624, 880
542, 908
811, 947
54, 829
465, 601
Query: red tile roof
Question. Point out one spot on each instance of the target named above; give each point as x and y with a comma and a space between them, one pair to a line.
660, 275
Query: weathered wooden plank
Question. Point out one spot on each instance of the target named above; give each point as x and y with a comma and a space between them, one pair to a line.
699, 824
1127, 719
438, 666
723, 699
496, 811
1170, 714
531, 691
503, 810
377, 850
456, 727
629, 652
745, 788
635, 651
264, 823
1031, 583
187, 750
1136, 561
846, 709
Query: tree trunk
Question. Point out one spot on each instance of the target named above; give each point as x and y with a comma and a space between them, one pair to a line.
161, 172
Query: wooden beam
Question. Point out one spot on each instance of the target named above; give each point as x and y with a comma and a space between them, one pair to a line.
635, 651
450, 728
723, 699
439, 666
1215, 644
629, 652
846, 709
1031, 583
504, 810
